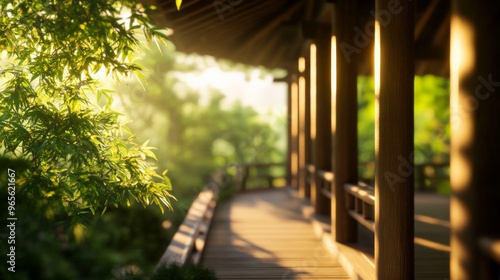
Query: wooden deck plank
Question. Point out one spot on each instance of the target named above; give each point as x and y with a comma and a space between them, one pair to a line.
263, 235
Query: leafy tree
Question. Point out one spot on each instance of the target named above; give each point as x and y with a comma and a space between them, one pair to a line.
432, 133
195, 138
82, 158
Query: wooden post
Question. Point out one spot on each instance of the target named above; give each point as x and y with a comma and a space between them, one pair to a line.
307, 124
289, 135
475, 133
321, 117
394, 187
344, 121
294, 132
304, 129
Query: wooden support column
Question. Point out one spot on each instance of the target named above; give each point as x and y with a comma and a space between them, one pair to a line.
307, 121
475, 134
304, 127
321, 114
394, 187
294, 131
289, 134
344, 120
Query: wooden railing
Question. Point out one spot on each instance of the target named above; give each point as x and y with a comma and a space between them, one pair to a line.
326, 182
188, 242
428, 171
490, 249
310, 169
246, 172
425, 173
360, 204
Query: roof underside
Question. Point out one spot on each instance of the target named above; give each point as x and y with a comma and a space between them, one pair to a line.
270, 33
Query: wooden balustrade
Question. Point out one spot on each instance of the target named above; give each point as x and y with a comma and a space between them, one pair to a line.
360, 204
310, 173
490, 259
490, 247
188, 242
251, 171
326, 182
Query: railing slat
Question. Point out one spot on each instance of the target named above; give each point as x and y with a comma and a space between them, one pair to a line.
490, 247
365, 193
190, 236
360, 201
369, 224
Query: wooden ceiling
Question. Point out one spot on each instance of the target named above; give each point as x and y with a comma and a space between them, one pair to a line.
270, 33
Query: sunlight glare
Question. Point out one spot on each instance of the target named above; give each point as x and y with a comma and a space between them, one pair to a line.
462, 132
334, 82
302, 112
294, 120
377, 84
313, 91
302, 64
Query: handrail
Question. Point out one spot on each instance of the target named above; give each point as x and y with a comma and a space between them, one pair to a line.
360, 204
421, 175
189, 241
244, 173
310, 169
490, 247
326, 179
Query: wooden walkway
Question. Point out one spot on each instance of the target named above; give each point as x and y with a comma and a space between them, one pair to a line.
264, 235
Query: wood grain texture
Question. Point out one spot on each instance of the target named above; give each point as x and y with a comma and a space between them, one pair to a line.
345, 109
322, 142
394, 130
263, 235
475, 134
267, 235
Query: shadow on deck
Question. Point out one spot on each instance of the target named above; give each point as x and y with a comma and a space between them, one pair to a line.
268, 235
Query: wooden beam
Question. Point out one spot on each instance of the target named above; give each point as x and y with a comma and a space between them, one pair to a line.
394, 187
246, 19
344, 122
475, 134
270, 44
320, 116
424, 18
268, 28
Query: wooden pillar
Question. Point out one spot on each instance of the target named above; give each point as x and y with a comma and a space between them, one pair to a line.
294, 131
344, 118
320, 114
394, 187
307, 121
475, 133
304, 129
289, 134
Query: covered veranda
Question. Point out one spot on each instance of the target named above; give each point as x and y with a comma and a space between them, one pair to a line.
384, 231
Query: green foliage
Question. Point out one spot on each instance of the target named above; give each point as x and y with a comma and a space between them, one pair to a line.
126, 238
432, 131
81, 162
194, 136
432, 114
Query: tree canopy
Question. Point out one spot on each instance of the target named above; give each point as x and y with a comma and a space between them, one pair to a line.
81, 157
